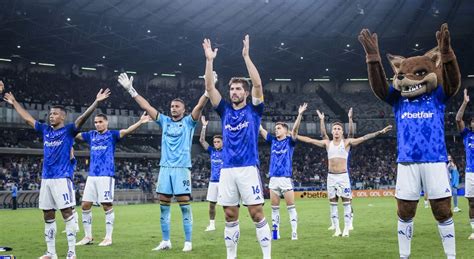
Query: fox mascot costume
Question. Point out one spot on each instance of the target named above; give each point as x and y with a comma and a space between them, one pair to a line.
418, 94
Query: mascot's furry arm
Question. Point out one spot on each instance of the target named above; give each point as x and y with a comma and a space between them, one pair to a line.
377, 78
451, 75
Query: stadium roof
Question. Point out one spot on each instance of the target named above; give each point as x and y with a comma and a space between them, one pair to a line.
289, 38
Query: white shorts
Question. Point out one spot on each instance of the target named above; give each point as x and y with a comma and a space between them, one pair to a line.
469, 185
99, 189
212, 191
339, 185
280, 185
56, 194
432, 178
240, 183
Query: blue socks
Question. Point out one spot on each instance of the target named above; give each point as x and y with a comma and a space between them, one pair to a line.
165, 221
187, 221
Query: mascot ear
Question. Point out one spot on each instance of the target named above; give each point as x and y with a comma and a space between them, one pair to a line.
434, 55
395, 62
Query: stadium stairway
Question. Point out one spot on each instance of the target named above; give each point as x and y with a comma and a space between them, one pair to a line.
340, 113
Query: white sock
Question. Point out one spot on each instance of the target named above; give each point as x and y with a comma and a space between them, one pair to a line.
50, 235
71, 234
212, 223
293, 218
472, 225
264, 238
446, 231
405, 233
347, 214
109, 223
87, 222
76, 219
334, 215
231, 238
352, 215
276, 217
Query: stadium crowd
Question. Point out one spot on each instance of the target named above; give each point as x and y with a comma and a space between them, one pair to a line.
372, 166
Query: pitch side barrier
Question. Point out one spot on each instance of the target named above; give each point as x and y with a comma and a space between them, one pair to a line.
355, 194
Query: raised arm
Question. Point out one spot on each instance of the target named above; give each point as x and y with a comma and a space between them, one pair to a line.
357, 141
143, 119
320, 143
202, 137
24, 114
350, 134
451, 72
377, 78
127, 84
257, 88
263, 132
460, 114
322, 125
196, 113
79, 136
209, 78
296, 126
101, 95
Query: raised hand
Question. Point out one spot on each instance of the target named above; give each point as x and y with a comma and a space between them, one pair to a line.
320, 114
204, 121
443, 38
102, 94
208, 52
386, 129
2, 86
302, 108
349, 114
370, 43
9, 98
145, 118
125, 81
466, 96
245, 49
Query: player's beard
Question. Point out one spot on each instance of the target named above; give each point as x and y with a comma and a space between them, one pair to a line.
238, 101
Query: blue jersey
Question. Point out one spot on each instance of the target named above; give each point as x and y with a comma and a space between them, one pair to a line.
57, 150
468, 140
281, 156
176, 141
102, 148
420, 126
216, 163
240, 134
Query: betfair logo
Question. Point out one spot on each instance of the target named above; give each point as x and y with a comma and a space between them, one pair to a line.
417, 115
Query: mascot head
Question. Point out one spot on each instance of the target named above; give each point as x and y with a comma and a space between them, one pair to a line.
417, 75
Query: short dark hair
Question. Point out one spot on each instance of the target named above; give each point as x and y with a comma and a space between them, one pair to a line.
60, 107
242, 80
217, 136
337, 123
102, 115
284, 125
179, 100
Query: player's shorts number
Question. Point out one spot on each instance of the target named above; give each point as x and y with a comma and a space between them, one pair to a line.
107, 195
256, 189
66, 197
186, 183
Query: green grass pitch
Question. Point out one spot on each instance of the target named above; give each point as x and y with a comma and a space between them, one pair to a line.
137, 231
